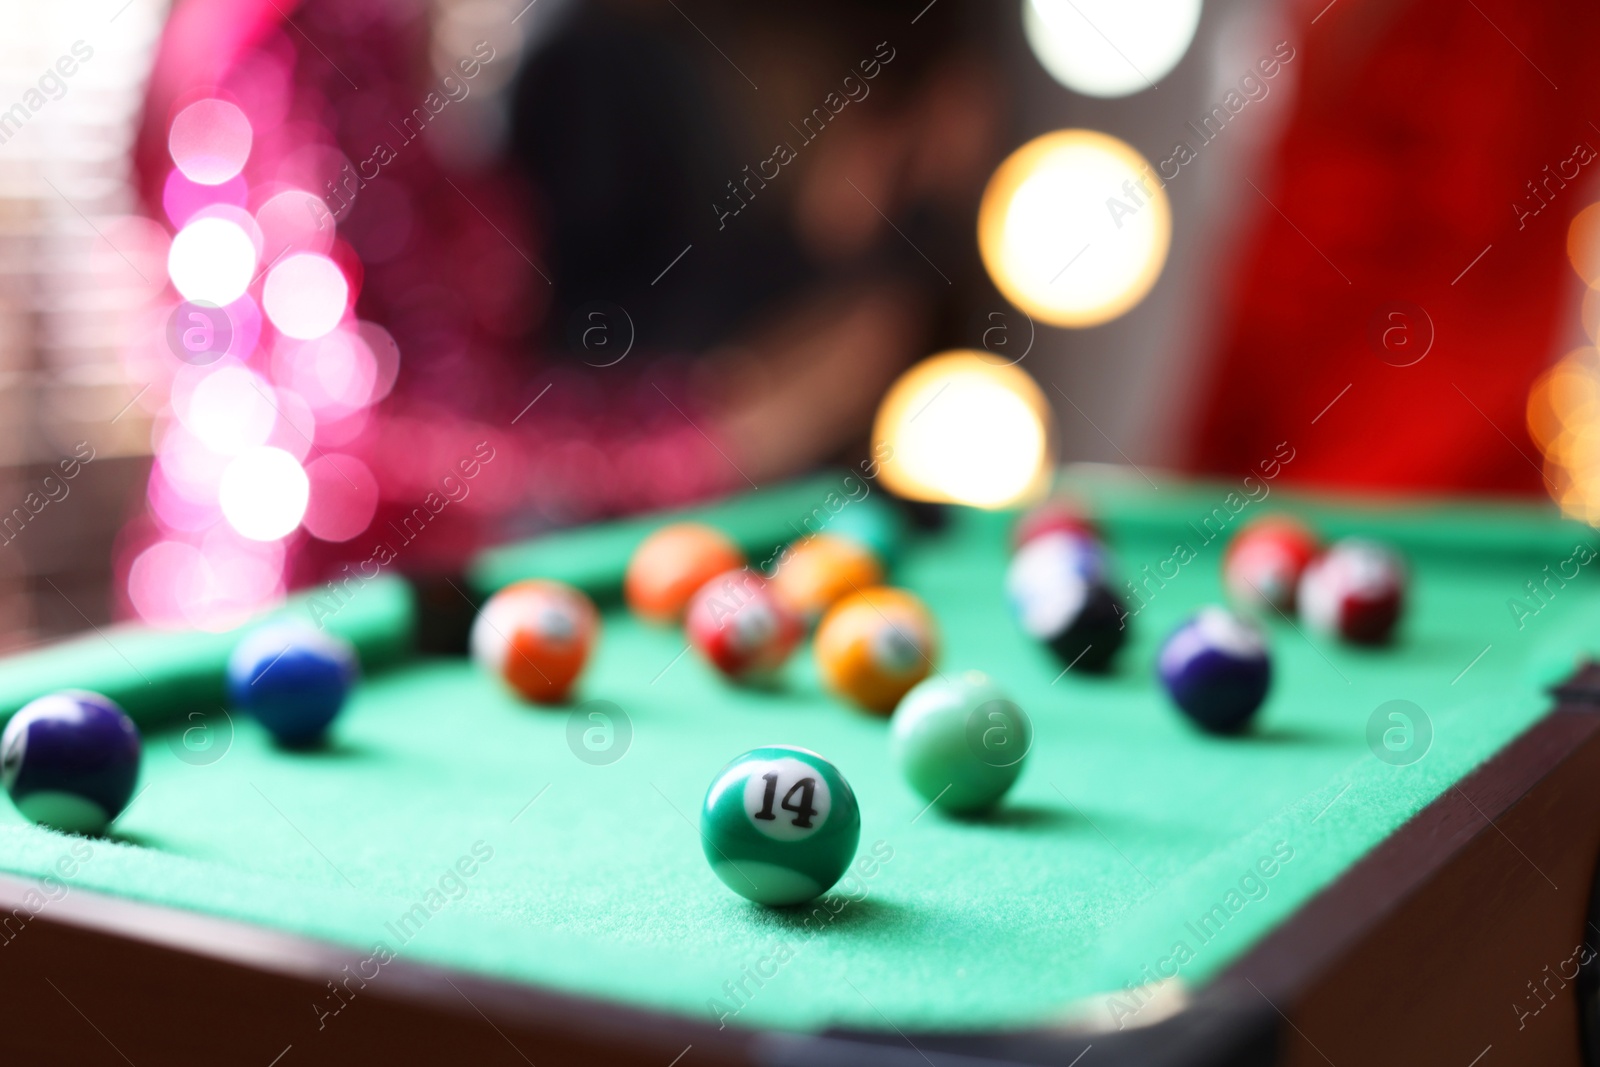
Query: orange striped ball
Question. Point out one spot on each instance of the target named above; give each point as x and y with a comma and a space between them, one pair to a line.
536, 636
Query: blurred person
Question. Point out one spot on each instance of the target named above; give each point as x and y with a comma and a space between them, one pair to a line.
646, 144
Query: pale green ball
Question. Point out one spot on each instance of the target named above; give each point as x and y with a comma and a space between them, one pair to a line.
960, 741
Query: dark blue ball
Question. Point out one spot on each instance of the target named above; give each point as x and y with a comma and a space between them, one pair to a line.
1217, 669
70, 761
291, 679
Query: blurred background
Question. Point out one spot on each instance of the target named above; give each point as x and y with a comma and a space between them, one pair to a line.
295, 290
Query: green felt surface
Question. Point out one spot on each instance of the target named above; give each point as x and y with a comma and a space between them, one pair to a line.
157, 675
1125, 828
593, 557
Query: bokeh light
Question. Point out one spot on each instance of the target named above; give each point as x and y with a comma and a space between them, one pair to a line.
1563, 410
181, 198
1564, 421
213, 585
296, 427
240, 438
305, 296
263, 493
385, 358
1074, 228
344, 497
1590, 313
165, 580
1583, 244
1109, 48
212, 259
335, 374
229, 410
245, 576
244, 319
239, 217
188, 466
175, 511
209, 141
294, 221
964, 430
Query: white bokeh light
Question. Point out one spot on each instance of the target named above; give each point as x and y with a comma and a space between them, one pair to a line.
1109, 48
210, 141
212, 259
230, 410
305, 296
264, 494
1074, 228
966, 431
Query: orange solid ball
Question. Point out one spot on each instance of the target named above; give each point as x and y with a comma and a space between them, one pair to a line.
875, 645
818, 571
672, 564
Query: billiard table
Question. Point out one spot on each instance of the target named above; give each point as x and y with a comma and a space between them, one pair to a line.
457, 874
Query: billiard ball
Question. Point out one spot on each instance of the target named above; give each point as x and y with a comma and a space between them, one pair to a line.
1264, 562
874, 645
70, 761
959, 742
779, 825
1054, 516
740, 627
292, 679
1058, 592
1216, 669
672, 564
1043, 557
536, 636
817, 571
1355, 590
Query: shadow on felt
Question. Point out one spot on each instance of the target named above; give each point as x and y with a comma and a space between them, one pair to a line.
325, 748
1295, 734
855, 913
1032, 818
137, 839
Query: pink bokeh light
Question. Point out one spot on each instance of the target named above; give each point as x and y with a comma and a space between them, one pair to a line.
165, 581
385, 358
244, 316
294, 221
174, 510
335, 374
181, 198
191, 469
344, 497
296, 428
210, 140
213, 585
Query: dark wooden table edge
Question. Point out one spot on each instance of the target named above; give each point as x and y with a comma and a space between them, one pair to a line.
1245, 1016
1239, 1018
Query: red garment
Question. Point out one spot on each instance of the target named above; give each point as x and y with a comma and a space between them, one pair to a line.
1405, 176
